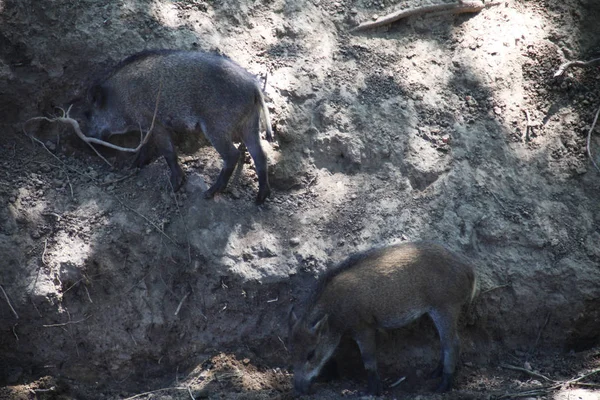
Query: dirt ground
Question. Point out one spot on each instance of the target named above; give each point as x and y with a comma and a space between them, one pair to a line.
115, 287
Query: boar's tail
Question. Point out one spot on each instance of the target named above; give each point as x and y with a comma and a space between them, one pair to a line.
265, 114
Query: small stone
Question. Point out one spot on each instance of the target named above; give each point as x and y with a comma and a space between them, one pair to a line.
353, 196
246, 361
497, 110
50, 145
471, 101
294, 241
375, 17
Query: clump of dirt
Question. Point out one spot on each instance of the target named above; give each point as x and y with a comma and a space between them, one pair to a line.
445, 128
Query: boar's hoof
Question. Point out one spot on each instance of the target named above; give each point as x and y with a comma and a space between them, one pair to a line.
263, 193
177, 180
374, 386
209, 193
446, 383
437, 372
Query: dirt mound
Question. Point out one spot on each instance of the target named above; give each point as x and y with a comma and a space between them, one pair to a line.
414, 131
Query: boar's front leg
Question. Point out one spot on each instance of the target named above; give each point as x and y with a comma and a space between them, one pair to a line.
162, 143
366, 343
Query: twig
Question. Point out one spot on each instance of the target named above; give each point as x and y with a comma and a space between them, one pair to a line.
66, 323
496, 287
546, 389
540, 333
399, 381
88, 293
118, 180
565, 66
61, 161
534, 374
147, 220
44, 253
190, 392
156, 391
589, 138
451, 8
283, 343
181, 303
15, 332
583, 376
9, 304
187, 236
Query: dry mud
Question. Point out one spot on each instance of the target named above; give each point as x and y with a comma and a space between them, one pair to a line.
412, 131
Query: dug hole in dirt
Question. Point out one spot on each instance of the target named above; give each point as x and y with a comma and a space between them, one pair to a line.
448, 128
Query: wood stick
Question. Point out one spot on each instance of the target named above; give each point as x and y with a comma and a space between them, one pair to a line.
565, 66
9, 304
589, 138
451, 8
534, 374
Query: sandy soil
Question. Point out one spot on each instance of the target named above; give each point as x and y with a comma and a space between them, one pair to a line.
417, 130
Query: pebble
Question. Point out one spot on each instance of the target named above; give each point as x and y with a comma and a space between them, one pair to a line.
375, 17
294, 241
51, 146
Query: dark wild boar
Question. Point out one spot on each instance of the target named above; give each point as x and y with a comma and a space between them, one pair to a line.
382, 289
196, 92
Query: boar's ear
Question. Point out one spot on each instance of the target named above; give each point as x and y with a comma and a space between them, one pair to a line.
321, 325
292, 318
98, 95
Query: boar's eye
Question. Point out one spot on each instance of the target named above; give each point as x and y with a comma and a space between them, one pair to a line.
310, 356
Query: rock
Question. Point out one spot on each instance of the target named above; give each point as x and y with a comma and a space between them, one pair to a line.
294, 241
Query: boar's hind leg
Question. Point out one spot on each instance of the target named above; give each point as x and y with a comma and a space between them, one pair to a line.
251, 138
230, 155
445, 321
366, 343
164, 145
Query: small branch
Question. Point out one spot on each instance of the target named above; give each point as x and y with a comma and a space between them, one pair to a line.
44, 253
496, 287
589, 138
9, 304
190, 392
187, 236
545, 389
534, 374
564, 67
399, 381
66, 323
181, 303
452, 8
147, 220
283, 343
156, 391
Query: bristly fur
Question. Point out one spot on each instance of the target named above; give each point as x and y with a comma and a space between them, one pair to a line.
133, 58
335, 270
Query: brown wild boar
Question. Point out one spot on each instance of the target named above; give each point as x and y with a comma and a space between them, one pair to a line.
382, 288
196, 92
